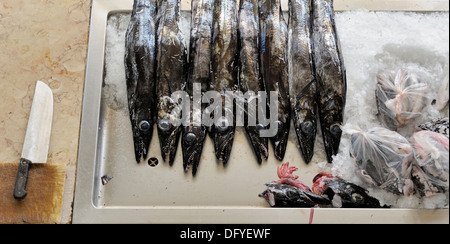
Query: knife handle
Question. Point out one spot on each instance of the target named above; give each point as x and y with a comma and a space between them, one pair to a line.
21, 179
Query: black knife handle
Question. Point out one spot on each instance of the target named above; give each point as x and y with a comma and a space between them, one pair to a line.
21, 179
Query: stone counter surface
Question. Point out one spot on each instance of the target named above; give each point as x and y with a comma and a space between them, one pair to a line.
42, 40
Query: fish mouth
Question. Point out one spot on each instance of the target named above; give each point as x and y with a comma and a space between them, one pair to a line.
279, 141
142, 135
259, 144
192, 147
307, 139
223, 143
331, 140
168, 140
141, 143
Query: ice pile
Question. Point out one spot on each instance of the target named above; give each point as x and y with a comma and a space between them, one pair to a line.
381, 42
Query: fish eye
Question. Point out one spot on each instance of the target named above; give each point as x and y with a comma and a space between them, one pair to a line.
357, 197
190, 138
222, 124
164, 125
307, 127
335, 129
144, 126
260, 127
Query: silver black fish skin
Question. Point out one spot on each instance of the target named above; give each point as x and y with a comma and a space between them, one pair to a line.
249, 70
274, 34
224, 71
194, 135
440, 126
302, 81
171, 76
330, 75
140, 60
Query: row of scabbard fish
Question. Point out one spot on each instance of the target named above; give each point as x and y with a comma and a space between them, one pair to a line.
234, 46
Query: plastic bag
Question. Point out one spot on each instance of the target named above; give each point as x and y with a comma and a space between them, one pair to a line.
384, 158
431, 173
400, 98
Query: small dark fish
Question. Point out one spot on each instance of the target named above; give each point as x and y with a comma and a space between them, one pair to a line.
342, 193
194, 135
140, 65
440, 126
250, 73
274, 34
171, 76
330, 75
224, 73
302, 81
284, 195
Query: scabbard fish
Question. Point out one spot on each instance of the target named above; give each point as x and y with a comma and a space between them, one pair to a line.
171, 76
330, 75
224, 74
140, 60
199, 75
250, 80
274, 34
302, 81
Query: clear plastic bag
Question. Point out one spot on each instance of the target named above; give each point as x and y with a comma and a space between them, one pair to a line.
384, 158
400, 97
431, 172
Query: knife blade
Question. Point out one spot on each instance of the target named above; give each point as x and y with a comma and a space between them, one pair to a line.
37, 137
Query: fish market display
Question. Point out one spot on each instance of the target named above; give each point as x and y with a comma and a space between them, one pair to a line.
384, 158
171, 76
250, 74
327, 191
440, 126
343, 194
330, 75
431, 174
302, 82
400, 98
274, 34
224, 73
140, 60
199, 75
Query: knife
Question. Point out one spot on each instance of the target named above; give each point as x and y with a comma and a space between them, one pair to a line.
37, 138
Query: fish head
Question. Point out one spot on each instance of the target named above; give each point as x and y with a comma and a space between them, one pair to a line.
331, 133
142, 127
353, 196
284, 195
169, 135
306, 135
278, 195
192, 146
342, 193
223, 132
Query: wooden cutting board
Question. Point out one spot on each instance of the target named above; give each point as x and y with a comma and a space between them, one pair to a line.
45, 189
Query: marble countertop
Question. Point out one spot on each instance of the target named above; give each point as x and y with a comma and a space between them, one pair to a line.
43, 40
